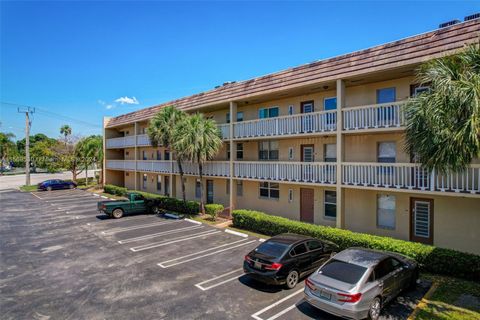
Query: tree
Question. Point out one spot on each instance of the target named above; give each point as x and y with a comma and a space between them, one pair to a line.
7, 147
162, 130
443, 125
90, 150
43, 155
65, 130
198, 139
70, 156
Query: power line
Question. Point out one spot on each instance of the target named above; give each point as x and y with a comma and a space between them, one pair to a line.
51, 114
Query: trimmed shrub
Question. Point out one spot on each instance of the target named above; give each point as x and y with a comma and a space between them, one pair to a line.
119, 191
430, 258
149, 195
213, 210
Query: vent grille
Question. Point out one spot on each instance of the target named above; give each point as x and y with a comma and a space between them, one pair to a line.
472, 17
448, 23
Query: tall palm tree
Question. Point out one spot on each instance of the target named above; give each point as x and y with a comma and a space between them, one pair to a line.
443, 125
93, 151
161, 131
198, 139
65, 130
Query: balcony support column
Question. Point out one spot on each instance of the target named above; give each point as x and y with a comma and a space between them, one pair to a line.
233, 154
136, 155
340, 154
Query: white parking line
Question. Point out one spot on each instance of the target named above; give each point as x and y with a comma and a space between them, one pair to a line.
173, 240
165, 264
153, 235
281, 313
240, 234
33, 194
201, 287
117, 230
76, 199
273, 305
192, 221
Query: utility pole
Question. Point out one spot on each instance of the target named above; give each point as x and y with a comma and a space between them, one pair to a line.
28, 123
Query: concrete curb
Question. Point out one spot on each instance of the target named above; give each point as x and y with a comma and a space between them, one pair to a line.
424, 301
192, 221
240, 234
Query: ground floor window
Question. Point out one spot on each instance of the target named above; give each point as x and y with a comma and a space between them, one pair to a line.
228, 187
144, 181
159, 182
239, 188
198, 186
330, 203
386, 211
269, 190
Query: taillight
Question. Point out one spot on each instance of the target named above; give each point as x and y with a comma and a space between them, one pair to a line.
350, 298
248, 259
309, 284
274, 266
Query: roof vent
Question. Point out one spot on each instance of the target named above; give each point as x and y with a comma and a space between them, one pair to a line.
228, 82
472, 17
448, 23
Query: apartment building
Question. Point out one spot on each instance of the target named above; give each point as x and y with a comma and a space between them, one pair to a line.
321, 143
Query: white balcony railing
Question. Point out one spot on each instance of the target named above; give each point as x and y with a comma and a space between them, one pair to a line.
410, 176
308, 172
385, 115
225, 130
306, 123
121, 164
143, 140
210, 168
121, 142
159, 166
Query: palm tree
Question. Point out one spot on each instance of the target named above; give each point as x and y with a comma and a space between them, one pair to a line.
7, 146
161, 131
65, 130
198, 139
93, 151
443, 125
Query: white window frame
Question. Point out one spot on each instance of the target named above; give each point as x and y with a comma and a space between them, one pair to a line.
269, 149
198, 187
268, 108
290, 195
159, 182
325, 203
269, 188
384, 226
144, 181
329, 98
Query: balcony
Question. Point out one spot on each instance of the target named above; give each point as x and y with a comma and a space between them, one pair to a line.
122, 142
378, 116
211, 168
225, 130
410, 176
306, 172
300, 124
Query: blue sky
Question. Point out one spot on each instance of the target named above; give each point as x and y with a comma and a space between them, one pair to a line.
79, 59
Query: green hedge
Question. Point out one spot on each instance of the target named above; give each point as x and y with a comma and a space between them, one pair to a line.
213, 208
119, 191
430, 258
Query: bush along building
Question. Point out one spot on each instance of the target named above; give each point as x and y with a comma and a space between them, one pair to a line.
322, 143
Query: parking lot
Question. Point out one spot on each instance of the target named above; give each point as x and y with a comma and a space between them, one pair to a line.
61, 259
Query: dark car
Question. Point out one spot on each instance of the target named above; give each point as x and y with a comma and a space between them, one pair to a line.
284, 259
357, 283
56, 184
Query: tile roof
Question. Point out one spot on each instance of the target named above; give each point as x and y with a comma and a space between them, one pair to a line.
404, 52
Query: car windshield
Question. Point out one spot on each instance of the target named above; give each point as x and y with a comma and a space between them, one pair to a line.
343, 271
272, 248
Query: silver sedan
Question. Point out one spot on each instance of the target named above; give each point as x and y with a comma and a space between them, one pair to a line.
356, 283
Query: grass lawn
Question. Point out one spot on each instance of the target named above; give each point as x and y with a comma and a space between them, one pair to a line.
453, 299
30, 188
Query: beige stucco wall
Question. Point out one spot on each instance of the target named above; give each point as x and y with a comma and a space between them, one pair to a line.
219, 189
456, 219
129, 180
114, 177
364, 148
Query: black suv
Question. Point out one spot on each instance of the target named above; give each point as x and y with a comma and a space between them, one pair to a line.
284, 259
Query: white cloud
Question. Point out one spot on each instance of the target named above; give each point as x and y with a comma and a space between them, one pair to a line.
127, 100
109, 106
101, 102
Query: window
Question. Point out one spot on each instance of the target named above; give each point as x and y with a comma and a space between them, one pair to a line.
239, 188
343, 271
269, 190
159, 182
387, 152
330, 202
227, 117
386, 95
268, 150
167, 185
386, 211
330, 152
314, 245
166, 155
419, 90
198, 186
330, 103
144, 155
307, 106
227, 191
240, 116
300, 249
239, 151
144, 181
290, 109
227, 146
290, 195
268, 112
290, 153
159, 155
384, 268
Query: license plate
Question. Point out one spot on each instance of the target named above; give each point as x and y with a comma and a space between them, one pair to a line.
257, 265
325, 295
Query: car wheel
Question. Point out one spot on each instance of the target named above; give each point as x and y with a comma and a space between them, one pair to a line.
292, 279
375, 308
71, 186
49, 188
117, 213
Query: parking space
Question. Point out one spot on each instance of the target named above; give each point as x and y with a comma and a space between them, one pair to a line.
140, 266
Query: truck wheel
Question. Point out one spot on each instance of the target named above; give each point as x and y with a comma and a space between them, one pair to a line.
117, 213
